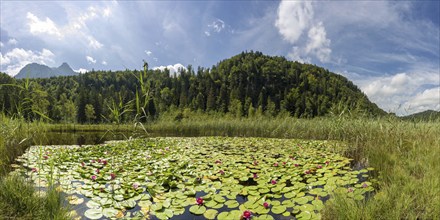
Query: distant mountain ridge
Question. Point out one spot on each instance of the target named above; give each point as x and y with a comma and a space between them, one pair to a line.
428, 115
35, 70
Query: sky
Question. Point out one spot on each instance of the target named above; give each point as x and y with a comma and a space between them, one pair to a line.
389, 49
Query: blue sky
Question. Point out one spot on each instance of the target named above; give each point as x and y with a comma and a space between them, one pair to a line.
390, 49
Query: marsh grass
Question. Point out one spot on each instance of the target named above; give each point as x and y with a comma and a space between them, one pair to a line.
19, 199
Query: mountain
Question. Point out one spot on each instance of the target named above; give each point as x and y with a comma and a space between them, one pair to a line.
35, 70
428, 115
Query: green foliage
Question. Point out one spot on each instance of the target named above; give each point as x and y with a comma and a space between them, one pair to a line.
237, 85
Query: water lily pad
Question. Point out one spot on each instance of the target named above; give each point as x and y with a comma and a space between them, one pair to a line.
231, 204
278, 209
197, 209
92, 204
109, 212
210, 214
93, 213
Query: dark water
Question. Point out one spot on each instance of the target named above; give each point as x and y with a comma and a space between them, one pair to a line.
86, 138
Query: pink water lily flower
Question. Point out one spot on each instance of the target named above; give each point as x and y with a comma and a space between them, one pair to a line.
199, 201
266, 205
34, 170
327, 163
135, 186
273, 182
112, 176
255, 176
247, 215
296, 165
45, 157
218, 161
307, 172
104, 162
319, 166
284, 163
93, 177
275, 164
93, 161
221, 172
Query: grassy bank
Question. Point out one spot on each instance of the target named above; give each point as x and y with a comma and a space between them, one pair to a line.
405, 155
18, 198
94, 127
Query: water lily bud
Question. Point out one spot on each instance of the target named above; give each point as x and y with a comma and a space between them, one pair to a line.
247, 214
112, 176
273, 182
266, 205
93, 177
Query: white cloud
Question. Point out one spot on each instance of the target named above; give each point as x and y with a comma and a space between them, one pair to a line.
13, 61
428, 99
318, 44
81, 70
37, 26
172, 68
12, 41
149, 53
402, 93
293, 18
90, 60
1, 44
107, 12
217, 25
93, 43
104, 62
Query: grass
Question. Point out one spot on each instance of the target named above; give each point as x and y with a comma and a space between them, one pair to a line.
405, 154
18, 197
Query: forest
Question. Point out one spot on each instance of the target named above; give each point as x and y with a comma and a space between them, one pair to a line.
244, 85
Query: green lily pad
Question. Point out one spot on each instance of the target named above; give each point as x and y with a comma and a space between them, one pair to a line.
278, 209
93, 213
197, 209
210, 214
231, 204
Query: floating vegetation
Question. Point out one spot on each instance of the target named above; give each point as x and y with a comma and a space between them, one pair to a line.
213, 177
